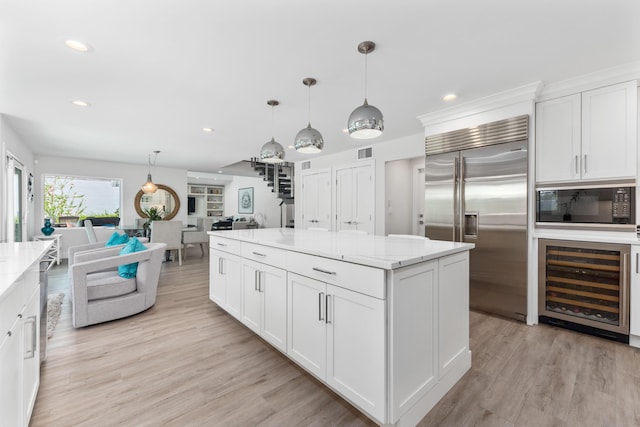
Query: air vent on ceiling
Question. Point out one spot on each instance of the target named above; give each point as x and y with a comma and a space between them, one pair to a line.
365, 153
306, 165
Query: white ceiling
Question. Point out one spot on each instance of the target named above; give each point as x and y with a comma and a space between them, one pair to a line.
161, 70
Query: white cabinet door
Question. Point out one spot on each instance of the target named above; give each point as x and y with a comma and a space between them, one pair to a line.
355, 194
233, 284
273, 289
31, 352
356, 356
316, 199
634, 294
251, 300
609, 126
11, 412
558, 139
217, 280
264, 302
225, 281
306, 327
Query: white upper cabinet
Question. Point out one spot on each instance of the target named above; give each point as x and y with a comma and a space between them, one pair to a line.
588, 136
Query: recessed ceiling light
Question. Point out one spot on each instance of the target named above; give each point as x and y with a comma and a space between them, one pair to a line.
78, 46
80, 103
207, 129
219, 171
449, 97
291, 147
345, 130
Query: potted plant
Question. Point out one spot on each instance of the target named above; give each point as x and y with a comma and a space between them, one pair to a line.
154, 214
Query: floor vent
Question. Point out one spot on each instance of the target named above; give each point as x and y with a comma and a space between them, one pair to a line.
365, 153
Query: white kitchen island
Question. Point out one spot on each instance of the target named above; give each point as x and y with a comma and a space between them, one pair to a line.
382, 321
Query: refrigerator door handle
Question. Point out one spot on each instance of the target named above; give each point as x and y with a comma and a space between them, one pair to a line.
456, 198
461, 197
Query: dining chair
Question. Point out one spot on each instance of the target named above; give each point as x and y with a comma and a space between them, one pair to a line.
169, 232
91, 233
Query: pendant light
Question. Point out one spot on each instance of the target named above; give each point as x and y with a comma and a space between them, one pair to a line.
366, 121
309, 140
272, 151
149, 187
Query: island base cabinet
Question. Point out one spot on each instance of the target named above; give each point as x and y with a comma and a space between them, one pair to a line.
338, 335
224, 281
20, 350
264, 302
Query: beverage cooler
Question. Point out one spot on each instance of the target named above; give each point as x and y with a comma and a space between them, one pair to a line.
584, 286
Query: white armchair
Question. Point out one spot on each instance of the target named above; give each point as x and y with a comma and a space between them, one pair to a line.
99, 294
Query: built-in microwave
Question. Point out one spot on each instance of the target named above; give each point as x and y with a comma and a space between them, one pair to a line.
596, 207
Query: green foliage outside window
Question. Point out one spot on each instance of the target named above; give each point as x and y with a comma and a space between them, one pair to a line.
60, 198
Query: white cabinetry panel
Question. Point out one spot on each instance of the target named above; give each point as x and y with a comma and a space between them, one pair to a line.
590, 136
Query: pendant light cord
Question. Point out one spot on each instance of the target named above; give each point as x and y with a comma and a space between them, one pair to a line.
366, 74
309, 105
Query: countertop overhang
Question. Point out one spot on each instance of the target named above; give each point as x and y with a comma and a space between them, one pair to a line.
16, 258
388, 253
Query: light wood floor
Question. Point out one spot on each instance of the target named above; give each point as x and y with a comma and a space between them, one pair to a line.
185, 362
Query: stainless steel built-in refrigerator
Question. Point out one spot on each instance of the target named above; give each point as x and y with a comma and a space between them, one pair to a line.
476, 192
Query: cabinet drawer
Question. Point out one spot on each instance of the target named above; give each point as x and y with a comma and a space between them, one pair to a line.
11, 305
264, 254
359, 278
226, 245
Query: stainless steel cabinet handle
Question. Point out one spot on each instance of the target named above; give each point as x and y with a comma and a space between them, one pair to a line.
585, 163
221, 244
220, 266
324, 271
577, 164
320, 300
30, 352
347, 222
255, 280
258, 254
637, 261
326, 308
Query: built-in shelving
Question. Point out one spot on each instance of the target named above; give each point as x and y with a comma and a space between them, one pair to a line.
209, 197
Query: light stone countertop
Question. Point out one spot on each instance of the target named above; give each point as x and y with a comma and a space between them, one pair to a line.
375, 251
16, 258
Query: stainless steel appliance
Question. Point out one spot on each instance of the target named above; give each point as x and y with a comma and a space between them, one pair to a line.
596, 207
476, 192
584, 286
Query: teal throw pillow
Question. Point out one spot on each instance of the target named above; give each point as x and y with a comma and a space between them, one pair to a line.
117, 239
129, 271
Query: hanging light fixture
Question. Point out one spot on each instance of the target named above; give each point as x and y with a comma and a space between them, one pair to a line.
272, 151
309, 140
149, 187
366, 121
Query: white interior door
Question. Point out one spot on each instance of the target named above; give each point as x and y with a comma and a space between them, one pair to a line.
355, 198
316, 200
344, 199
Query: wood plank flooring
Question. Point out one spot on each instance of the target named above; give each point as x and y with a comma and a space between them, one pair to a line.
185, 362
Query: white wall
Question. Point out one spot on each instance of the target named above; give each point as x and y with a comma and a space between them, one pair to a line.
132, 176
398, 197
265, 203
11, 143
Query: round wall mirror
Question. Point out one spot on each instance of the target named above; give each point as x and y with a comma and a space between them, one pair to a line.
164, 199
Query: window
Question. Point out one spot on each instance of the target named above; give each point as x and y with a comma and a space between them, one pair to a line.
77, 198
